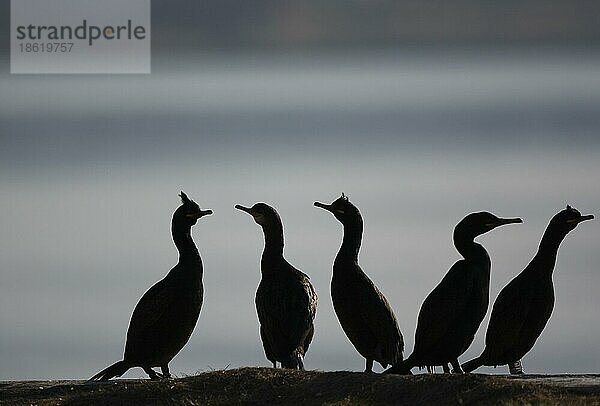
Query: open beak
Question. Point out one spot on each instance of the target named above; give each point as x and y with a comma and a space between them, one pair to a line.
323, 206
581, 218
246, 209
502, 222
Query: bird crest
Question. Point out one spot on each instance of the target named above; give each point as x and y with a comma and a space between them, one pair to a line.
184, 198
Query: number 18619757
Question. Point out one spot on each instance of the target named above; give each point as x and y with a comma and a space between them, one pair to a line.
46, 46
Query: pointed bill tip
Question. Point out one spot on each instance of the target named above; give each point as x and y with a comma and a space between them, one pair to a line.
516, 220
322, 205
504, 221
243, 208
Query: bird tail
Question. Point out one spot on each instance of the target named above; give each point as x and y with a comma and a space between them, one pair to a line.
116, 369
472, 365
401, 368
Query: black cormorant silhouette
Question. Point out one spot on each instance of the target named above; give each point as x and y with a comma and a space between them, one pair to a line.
453, 311
286, 301
164, 318
524, 306
364, 313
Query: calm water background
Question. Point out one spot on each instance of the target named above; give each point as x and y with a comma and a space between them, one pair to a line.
90, 169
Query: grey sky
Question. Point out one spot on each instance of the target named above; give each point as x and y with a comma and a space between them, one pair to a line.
90, 169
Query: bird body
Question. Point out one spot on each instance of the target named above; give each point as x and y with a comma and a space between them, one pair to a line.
366, 317
281, 293
453, 311
458, 305
519, 316
166, 315
286, 302
362, 310
524, 306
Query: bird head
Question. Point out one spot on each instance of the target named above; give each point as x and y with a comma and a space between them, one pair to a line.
262, 213
479, 223
189, 212
566, 220
343, 210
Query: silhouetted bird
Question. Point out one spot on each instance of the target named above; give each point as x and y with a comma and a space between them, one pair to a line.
286, 301
453, 311
524, 306
364, 313
165, 316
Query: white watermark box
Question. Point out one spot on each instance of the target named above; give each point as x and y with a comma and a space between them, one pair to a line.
80, 36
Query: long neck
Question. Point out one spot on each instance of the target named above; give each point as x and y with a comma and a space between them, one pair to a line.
273, 239
548, 250
188, 252
468, 248
351, 242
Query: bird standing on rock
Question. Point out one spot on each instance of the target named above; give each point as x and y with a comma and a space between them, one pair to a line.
524, 306
286, 301
364, 313
453, 311
164, 318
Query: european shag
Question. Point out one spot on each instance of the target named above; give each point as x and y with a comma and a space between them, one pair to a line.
453, 311
164, 318
286, 301
364, 313
524, 306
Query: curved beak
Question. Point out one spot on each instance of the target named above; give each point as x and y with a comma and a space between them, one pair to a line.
582, 218
243, 208
504, 221
323, 206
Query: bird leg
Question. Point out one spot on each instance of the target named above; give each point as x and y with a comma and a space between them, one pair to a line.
151, 373
456, 368
446, 368
165, 371
369, 365
274, 364
300, 363
516, 368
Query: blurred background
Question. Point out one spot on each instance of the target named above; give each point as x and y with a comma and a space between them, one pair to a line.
421, 112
